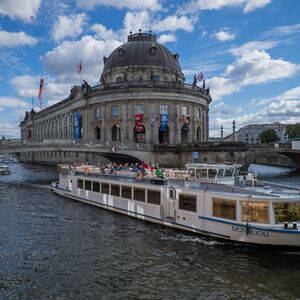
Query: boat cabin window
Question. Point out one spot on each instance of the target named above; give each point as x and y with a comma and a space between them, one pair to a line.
139, 194
192, 173
115, 190
88, 185
188, 202
256, 212
212, 173
104, 188
126, 192
220, 173
223, 208
229, 172
286, 212
79, 183
172, 194
201, 173
153, 197
96, 186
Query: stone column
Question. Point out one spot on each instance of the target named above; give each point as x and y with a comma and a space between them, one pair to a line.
193, 138
177, 129
172, 123
155, 115
104, 135
126, 121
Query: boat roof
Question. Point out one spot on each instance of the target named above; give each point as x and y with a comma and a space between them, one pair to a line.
211, 165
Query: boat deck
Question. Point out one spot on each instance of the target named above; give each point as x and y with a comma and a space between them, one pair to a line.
269, 190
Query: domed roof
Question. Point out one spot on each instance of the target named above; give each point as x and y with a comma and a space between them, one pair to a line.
142, 49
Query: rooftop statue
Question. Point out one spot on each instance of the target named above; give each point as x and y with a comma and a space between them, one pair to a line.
86, 88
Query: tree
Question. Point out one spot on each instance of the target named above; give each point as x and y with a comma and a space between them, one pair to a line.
293, 131
268, 136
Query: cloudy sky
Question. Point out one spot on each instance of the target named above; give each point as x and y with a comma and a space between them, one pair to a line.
249, 51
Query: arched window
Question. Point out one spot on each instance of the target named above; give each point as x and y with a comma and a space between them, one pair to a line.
116, 133
185, 134
163, 134
97, 133
139, 133
199, 134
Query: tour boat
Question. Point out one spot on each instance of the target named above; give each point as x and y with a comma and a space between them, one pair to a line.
4, 170
255, 212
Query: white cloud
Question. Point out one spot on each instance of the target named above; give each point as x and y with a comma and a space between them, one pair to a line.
284, 108
258, 67
283, 30
62, 61
291, 94
68, 26
173, 23
221, 86
26, 85
166, 38
104, 33
224, 35
12, 102
16, 9
252, 5
252, 66
9, 129
252, 46
219, 108
130, 4
247, 5
133, 21
14, 39
55, 92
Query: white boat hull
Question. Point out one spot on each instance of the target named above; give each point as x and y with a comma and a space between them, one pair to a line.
263, 234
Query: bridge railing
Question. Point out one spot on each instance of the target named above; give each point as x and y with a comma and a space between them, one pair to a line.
204, 146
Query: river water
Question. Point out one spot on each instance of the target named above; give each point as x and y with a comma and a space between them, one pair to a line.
55, 248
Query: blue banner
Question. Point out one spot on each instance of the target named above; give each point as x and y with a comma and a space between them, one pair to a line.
76, 122
195, 155
164, 120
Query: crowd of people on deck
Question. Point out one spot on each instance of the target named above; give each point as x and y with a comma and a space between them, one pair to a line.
141, 169
138, 169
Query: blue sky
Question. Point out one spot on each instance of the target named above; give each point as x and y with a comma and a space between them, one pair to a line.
249, 51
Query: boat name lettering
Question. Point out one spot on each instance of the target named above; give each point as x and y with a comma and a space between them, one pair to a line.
251, 231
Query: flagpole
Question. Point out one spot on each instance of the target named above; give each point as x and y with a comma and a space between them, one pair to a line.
81, 72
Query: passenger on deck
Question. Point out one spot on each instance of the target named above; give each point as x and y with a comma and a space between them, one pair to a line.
159, 173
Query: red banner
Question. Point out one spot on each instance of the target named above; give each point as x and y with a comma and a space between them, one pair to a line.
138, 120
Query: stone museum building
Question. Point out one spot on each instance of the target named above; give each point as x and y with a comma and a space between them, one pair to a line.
142, 98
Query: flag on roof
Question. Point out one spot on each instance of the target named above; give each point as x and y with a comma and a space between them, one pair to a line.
79, 68
200, 76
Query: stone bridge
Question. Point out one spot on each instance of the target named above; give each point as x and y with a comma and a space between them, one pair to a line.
62, 151
49, 151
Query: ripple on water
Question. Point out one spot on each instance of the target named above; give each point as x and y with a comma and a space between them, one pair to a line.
55, 248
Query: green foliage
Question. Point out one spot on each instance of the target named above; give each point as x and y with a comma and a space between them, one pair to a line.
293, 131
268, 136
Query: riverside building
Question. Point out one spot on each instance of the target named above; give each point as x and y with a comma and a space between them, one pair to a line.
142, 99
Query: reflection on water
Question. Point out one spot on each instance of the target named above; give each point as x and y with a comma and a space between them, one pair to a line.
56, 248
